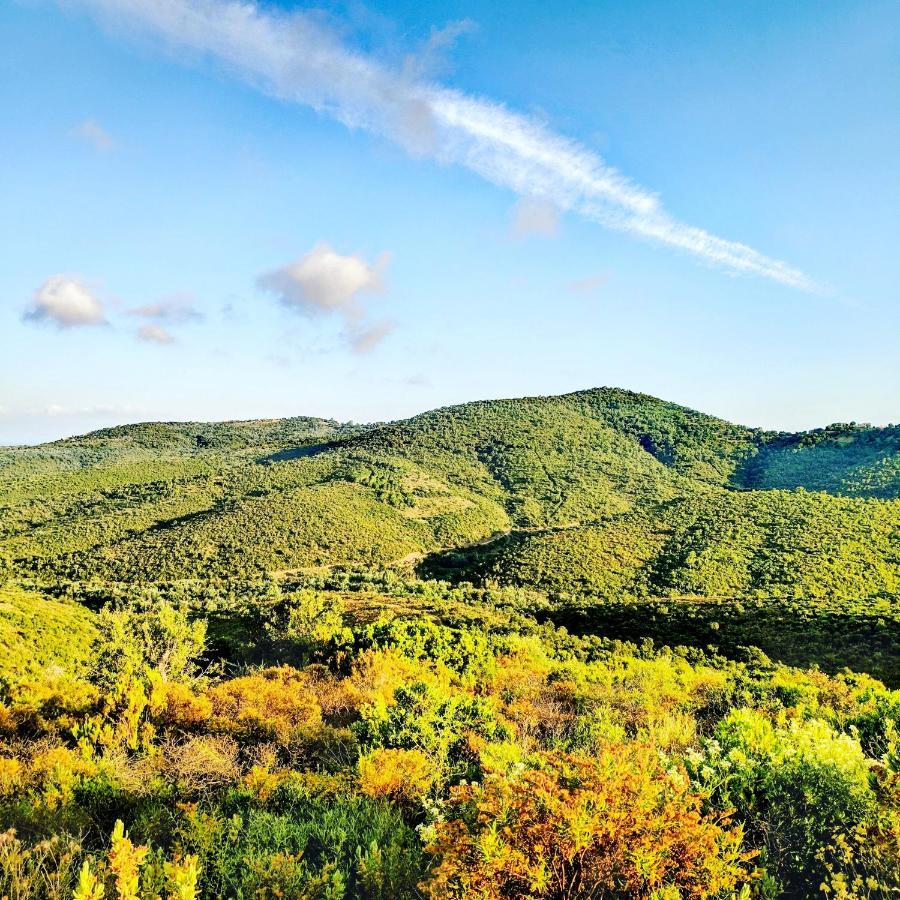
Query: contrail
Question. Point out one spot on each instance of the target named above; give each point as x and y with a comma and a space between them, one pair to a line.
294, 57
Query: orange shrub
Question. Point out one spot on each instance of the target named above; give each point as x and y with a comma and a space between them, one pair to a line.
276, 704
617, 824
180, 707
400, 775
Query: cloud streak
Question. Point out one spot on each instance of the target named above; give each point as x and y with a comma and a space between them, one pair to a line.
293, 57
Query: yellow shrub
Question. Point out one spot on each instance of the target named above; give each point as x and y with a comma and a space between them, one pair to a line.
396, 774
499, 757
378, 673
180, 707
276, 704
55, 772
125, 861
10, 775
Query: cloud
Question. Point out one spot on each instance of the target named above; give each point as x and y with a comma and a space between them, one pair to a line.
176, 308
155, 334
367, 338
90, 132
66, 302
589, 285
430, 59
535, 217
292, 56
326, 283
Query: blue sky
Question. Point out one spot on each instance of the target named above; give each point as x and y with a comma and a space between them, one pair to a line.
190, 229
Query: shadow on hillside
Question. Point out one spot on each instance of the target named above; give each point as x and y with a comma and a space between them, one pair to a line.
295, 453
469, 563
792, 633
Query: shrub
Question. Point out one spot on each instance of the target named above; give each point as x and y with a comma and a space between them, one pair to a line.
203, 763
432, 718
156, 637
617, 824
399, 775
795, 786
273, 705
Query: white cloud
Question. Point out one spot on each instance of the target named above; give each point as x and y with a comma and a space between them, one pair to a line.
291, 56
155, 334
65, 301
324, 281
90, 132
176, 308
533, 216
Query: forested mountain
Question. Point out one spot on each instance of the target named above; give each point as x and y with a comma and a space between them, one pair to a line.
600, 493
451, 655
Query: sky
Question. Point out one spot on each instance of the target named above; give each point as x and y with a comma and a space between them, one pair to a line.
213, 209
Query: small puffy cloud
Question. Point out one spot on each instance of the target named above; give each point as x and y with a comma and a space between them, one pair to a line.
589, 285
66, 302
324, 281
175, 308
327, 283
155, 334
534, 217
92, 133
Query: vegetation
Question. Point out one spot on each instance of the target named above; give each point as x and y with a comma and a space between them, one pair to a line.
587, 646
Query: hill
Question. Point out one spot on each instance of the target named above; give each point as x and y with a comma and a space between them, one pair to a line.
594, 497
295, 658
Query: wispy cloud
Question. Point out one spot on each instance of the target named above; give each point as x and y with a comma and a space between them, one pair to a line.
589, 285
57, 410
66, 302
535, 217
155, 334
430, 59
92, 133
368, 337
292, 56
176, 308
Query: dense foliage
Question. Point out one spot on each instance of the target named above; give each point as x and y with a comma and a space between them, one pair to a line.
402, 756
585, 646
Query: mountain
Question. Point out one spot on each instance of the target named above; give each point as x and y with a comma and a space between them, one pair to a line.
598, 491
597, 497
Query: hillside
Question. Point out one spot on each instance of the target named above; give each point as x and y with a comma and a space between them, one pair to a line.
596, 496
642, 648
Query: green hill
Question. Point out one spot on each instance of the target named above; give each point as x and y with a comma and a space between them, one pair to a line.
598, 496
